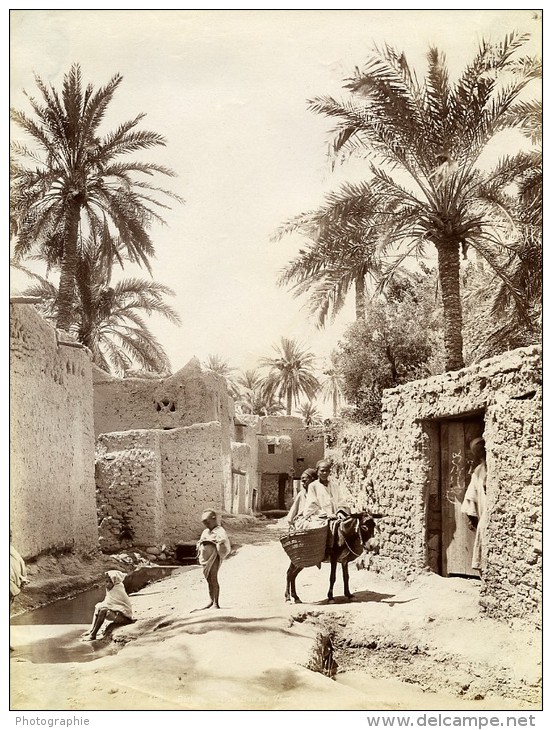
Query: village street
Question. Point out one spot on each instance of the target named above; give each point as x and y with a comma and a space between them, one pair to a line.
399, 646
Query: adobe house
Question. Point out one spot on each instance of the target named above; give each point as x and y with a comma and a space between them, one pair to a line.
167, 448
286, 447
163, 454
415, 470
52, 490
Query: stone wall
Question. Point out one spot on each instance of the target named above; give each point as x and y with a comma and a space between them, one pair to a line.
154, 484
52, 493
396, 468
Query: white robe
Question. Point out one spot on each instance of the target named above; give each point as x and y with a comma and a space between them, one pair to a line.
324, 500
475, 505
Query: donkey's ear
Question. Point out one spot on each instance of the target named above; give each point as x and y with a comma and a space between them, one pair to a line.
377, 516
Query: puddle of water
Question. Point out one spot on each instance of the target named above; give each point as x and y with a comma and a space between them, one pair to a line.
79, 609
60, 644
52, 634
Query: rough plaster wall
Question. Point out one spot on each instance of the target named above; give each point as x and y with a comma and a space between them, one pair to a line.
187, 397
190, 396
192, 476
242, 466
308, 445
353, 462
52, 494
153, 485
402, 475
281, 462
280, 424
130, 495
513, 577
250, 438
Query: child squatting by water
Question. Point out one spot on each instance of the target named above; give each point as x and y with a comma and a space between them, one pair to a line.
115, 607
212, 548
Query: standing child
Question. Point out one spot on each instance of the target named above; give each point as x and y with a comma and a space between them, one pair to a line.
213, 546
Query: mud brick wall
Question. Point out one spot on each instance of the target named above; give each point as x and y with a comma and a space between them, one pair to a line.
153, 484
52, 493
193, 478
353, 462
130, 493
190, 396
396, 467
279, 462
308, 447
242, 468
513, 577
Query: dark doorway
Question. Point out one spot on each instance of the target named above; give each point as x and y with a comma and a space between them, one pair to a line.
282, 484
448, 526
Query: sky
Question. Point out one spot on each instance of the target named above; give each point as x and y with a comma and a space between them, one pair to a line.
228, 89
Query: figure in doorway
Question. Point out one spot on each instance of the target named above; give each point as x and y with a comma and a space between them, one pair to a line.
475, 502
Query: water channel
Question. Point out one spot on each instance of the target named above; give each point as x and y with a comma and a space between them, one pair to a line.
52, 633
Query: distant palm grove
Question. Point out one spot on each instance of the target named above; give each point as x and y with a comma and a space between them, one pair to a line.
441, 243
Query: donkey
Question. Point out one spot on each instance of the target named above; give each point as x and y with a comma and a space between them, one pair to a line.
349, 539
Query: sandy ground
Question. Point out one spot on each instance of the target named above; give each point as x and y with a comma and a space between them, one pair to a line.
417, 646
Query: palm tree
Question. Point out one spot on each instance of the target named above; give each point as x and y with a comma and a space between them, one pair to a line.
341, 251
291, 373
251, 398
427, 139
78, 187
215, 363
108, 319
332, 385
310, 414
509, 321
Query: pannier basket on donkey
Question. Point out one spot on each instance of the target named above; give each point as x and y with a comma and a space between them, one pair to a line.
306, 548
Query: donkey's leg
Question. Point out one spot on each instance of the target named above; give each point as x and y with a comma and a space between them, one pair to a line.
291, 591
289, 574
333, 569
346, 591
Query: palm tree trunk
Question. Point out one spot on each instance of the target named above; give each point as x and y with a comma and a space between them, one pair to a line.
360, 297
68, 271
334, 403
448, 261
288, 402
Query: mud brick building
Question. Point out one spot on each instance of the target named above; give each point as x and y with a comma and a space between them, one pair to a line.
415, 470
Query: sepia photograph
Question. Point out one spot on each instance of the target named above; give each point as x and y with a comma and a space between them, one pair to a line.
275, 365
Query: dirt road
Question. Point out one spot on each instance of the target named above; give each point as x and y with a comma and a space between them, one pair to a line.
417, 646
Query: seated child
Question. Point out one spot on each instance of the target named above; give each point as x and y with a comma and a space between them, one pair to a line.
213, 546
115, 607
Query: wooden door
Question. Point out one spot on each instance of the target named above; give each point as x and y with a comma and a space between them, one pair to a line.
456, 470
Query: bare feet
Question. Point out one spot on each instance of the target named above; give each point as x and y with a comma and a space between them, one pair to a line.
203, 608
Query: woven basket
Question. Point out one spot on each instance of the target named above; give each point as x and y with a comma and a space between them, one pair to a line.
306, 548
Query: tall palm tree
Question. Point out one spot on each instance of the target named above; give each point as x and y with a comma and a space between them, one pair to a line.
340, 254
290, 373
108, 318
78, 187
427, 139
513, 321
332, 390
